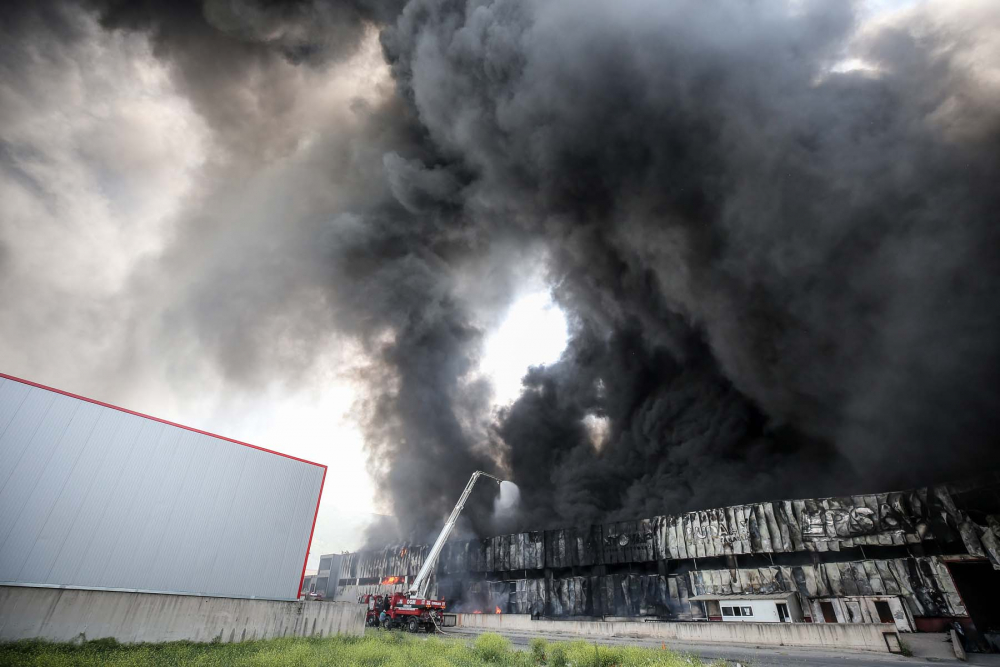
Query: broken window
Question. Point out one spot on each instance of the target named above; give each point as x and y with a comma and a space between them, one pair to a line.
829, 615
737, 612
747, 611
727, 611
884, 613
782, 612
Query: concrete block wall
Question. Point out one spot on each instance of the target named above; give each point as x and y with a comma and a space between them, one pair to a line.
856, 636
66, 615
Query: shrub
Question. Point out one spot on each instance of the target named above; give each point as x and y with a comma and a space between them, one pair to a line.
491, 647
558, 656
538, 646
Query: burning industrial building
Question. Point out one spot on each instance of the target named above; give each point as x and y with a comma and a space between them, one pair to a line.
921, 559
772, 227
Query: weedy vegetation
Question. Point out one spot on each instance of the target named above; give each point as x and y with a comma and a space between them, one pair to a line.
375, 649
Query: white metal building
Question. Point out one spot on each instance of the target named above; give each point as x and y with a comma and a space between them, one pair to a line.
96, 496
763, 608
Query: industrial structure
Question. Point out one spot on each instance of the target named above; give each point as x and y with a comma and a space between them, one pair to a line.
93, 496
921, 559
324, 584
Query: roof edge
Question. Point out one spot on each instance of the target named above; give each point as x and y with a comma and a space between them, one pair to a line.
162, 421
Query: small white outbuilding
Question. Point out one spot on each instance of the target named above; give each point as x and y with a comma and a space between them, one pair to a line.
762, 608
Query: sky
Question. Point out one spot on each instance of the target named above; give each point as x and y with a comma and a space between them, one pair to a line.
104, 153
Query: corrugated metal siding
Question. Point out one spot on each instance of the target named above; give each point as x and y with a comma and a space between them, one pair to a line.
91, 496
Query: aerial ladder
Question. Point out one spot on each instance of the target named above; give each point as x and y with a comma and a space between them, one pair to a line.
413, 610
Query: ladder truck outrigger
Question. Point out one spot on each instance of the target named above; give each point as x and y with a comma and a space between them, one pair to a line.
413, 610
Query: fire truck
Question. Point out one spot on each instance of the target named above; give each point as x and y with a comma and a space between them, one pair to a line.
413, 610
404, 612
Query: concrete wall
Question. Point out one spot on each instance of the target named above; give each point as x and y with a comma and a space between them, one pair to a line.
66, 615
862, 637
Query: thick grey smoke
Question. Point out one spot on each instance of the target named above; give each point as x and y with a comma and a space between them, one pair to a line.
781, 271
784, 275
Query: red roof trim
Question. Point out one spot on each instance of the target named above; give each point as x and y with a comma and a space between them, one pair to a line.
187, 428
305, 562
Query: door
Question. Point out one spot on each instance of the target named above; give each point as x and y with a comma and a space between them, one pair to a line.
782, 612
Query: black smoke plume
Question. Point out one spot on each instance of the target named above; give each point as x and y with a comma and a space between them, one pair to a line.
782, 273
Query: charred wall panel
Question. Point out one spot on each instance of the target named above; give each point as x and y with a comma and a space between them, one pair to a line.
826, 524
393, 561
924, 583
521, 551
629, 541
572, 547
454, 558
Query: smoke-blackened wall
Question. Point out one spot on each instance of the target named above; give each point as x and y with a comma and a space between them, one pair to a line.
772, 226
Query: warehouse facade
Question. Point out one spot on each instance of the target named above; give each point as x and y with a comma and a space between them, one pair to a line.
94, 496
324, 584
920, 559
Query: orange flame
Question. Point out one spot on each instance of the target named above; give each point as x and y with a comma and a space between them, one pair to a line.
388, 581
477, 611
498, 611
402, 553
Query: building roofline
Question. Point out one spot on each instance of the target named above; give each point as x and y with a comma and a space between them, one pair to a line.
162, 421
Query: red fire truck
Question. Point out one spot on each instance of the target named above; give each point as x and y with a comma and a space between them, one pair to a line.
413, 610
404, 611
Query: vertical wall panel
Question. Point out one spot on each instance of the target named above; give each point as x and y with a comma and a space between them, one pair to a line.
96, 497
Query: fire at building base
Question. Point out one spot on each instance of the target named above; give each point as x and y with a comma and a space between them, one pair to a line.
924, 559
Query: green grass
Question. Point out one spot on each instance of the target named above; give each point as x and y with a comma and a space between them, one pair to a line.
375, 649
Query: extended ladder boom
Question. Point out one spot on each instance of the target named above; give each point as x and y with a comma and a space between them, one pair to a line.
419, 584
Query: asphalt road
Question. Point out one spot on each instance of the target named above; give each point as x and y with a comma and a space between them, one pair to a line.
745, 655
